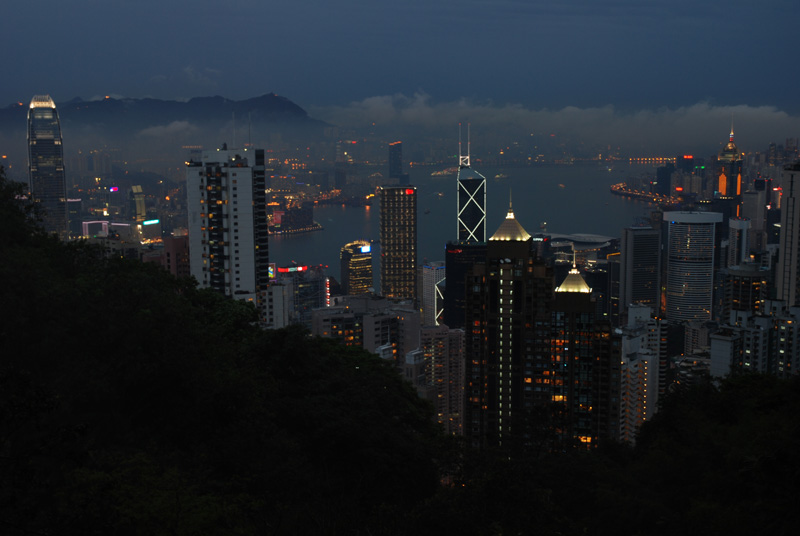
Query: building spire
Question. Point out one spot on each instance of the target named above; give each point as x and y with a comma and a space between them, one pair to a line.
463, 161
731, 126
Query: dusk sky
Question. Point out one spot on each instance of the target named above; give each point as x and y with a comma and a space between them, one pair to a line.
625, 57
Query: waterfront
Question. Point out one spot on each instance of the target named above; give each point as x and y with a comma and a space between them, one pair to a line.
571, 199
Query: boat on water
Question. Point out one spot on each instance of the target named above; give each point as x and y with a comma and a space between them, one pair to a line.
500, 176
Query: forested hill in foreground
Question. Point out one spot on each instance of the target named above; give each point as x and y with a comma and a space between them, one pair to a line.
134, 403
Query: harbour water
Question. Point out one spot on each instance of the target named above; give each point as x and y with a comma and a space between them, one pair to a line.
571, 199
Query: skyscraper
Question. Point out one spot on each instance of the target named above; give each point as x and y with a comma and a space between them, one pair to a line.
396, 163
788, 268
471, 201
738, 245
432, 299
584, 368
691, 256
640, 268
46, 164
356, 267
730, 170
398, 232
470, 244
507, 329
228, 234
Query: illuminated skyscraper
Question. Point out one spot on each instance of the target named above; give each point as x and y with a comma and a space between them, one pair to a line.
228, 234
356, 267
470, 244
730, 170
691, 256
398, 231
506, 332
46, 164
584, 375
432, 299
471, 201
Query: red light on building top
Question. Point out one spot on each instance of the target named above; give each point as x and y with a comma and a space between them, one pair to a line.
687, 156
679, 188
409, 191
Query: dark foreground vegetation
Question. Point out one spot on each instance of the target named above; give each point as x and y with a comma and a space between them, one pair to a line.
134, 403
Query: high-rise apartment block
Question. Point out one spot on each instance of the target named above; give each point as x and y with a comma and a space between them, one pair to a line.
788, 269
228, 234
398, 233
48, 183
642, 370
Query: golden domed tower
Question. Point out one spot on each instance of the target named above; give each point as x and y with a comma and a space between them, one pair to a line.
730, 169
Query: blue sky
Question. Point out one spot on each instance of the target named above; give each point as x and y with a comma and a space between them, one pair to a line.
629, 56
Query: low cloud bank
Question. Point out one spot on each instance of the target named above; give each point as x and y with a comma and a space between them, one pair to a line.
701, 128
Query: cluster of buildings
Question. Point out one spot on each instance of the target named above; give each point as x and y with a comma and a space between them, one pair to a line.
517, 344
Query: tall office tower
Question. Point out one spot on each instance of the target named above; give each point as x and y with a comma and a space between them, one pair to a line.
398, 241
730, 170
459, 258
788, 269
663, 182
137, 203
691, 265
356, 267
507, 321
584, 368
754, 207
46, 165
471, 217
308, 288
228, 235
432, 299
738, 241
640, 268
395, 159
396, 163
746, 289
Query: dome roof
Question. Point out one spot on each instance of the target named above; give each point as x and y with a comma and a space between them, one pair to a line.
511, 229
574, 282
